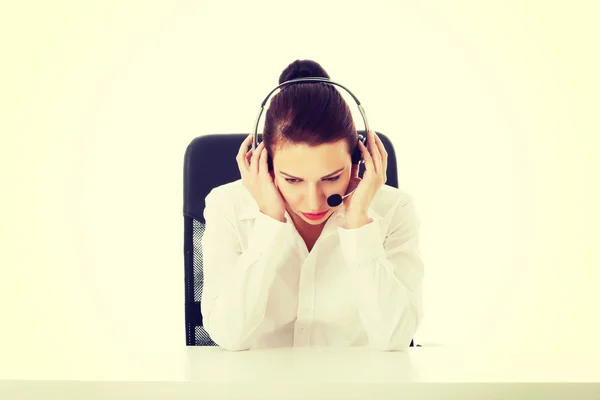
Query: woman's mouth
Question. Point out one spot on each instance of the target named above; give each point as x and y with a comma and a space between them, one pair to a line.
315, 217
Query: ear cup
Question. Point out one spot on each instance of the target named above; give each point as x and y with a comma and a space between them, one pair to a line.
269, 159
357, 154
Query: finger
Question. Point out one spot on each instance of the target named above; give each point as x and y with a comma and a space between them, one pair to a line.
241, 165
248, 158
251, 152
255, 158
366, 157
264, 166
384, 157
241, 157
374, 149
381, 147
244, 146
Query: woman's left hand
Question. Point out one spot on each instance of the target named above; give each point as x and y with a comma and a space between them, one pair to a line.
375, 176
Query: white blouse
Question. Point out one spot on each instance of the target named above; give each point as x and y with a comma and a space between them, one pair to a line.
356, 287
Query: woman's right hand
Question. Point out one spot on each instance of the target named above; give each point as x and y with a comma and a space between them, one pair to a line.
259, 182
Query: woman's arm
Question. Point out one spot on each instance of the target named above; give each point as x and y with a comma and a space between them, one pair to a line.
388, 274
236, 282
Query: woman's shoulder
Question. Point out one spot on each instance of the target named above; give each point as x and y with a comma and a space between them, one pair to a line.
234, 193
389, 198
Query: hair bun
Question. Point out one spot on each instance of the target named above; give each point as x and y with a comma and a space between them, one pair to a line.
303, 69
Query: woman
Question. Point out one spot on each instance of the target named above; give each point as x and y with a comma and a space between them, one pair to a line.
276, 276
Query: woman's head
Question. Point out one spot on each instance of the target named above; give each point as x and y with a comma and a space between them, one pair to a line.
309, 134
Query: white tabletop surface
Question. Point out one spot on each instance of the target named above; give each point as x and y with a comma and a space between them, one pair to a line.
182, 372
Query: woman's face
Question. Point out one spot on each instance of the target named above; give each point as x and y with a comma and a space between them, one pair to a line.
306, 176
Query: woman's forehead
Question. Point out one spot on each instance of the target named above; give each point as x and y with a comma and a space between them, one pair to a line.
301, 161
301, 150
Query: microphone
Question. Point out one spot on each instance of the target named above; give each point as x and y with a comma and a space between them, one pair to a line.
336, 199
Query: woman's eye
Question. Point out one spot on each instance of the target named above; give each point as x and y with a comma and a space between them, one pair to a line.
291, 180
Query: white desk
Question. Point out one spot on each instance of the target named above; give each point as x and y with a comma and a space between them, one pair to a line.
351, 373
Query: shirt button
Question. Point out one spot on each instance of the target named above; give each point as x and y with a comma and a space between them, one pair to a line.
303, 329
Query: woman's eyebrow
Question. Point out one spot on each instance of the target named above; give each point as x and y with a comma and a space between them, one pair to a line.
323, 177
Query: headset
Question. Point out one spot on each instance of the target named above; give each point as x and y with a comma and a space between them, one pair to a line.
336, 199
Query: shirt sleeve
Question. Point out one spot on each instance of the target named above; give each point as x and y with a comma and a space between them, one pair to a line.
237, 281
388, 274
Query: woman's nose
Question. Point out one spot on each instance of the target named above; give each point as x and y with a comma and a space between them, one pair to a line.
315, 198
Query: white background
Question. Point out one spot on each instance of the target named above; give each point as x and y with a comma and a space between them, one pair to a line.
492, 108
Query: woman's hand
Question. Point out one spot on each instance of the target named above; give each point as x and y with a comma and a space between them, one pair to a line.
259, 182
375, 157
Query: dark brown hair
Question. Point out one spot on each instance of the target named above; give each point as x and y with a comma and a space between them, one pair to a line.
310, 113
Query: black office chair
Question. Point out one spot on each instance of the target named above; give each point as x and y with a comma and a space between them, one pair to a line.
210, 162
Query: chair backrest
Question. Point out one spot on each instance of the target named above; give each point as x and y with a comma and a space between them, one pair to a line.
209, 162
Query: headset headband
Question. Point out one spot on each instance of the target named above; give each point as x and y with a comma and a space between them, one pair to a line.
300, 80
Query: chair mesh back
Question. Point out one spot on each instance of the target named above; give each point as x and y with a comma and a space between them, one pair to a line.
201, 337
